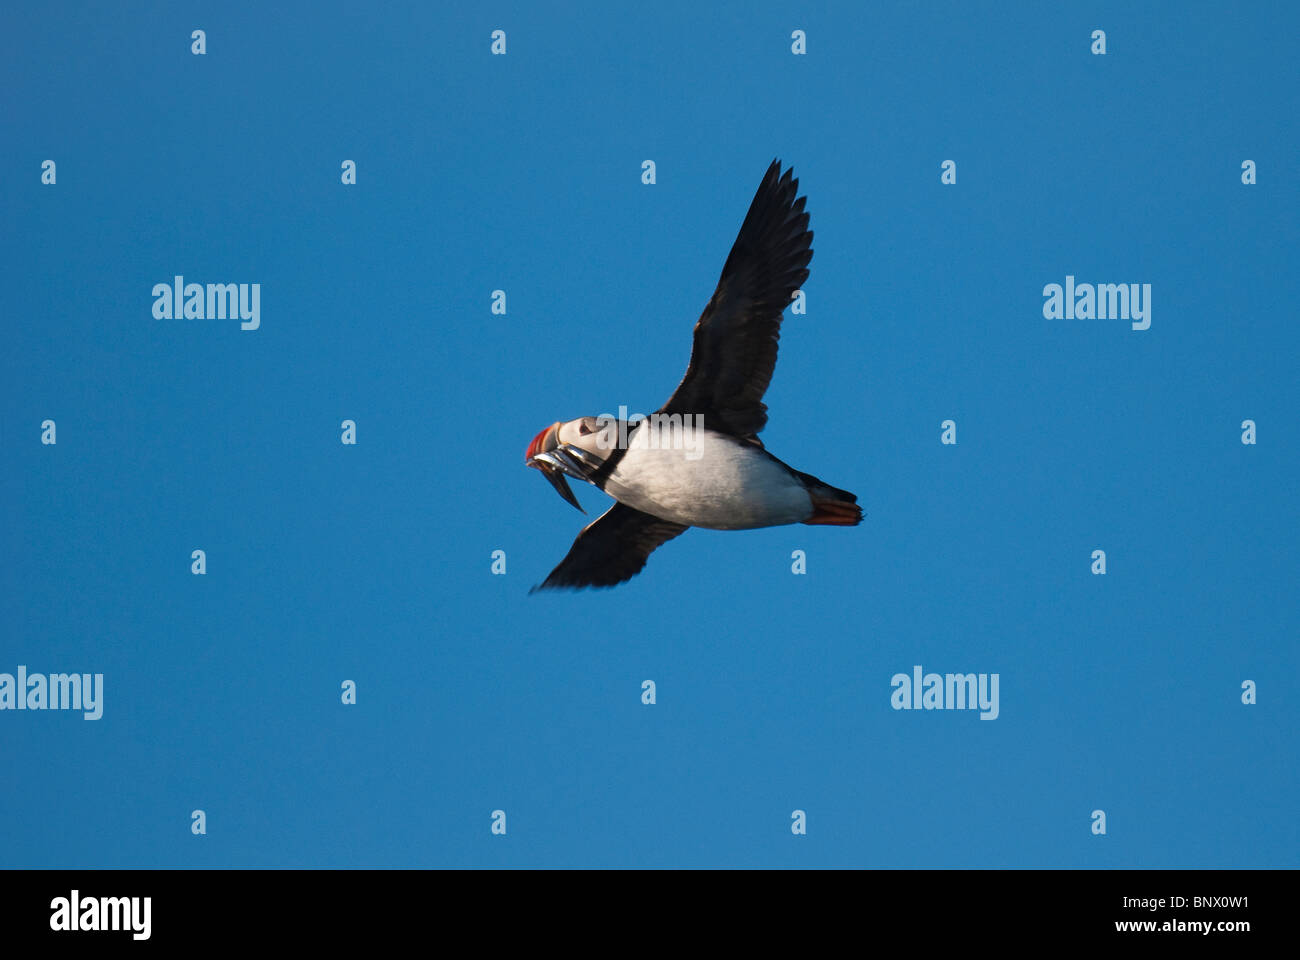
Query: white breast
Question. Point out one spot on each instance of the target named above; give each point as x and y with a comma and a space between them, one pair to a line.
720, 485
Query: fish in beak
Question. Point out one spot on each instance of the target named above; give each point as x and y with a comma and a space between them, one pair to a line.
546, 454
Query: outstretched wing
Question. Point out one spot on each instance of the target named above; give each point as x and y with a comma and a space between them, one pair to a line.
611, 549
734, 351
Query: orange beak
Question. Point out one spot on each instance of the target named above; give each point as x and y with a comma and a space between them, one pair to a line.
543, 444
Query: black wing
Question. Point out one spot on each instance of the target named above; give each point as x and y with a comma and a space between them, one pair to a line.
611, 549
734, 351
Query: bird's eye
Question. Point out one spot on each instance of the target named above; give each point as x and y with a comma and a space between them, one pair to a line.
583, 429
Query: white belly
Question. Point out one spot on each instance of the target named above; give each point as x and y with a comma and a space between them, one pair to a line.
721, 485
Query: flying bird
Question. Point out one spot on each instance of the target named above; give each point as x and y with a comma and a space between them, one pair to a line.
697, 461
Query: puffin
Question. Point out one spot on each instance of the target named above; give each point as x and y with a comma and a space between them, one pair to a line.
697, 461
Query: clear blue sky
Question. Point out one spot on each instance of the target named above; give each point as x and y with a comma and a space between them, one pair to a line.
372, 562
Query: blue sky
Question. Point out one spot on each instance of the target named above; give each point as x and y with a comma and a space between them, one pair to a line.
522, 172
